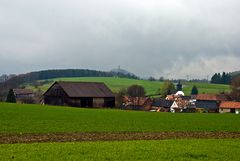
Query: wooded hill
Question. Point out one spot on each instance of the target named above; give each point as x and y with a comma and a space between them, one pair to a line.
18, 80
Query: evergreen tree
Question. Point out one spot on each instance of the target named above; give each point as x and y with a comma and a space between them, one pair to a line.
214, 78
11, 97
219, 78
194, 90
224, 78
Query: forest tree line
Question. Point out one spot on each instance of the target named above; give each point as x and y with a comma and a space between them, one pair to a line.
224, 78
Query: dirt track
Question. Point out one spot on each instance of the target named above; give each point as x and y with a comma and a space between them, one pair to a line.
77, 137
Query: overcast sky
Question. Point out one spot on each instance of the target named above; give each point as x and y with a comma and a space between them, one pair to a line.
170, 38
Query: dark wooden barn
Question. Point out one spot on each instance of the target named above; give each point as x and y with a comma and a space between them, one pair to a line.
210, 102
79, 94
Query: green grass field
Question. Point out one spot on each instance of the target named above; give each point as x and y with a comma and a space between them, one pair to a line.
151, 87
167, 150
16, 118
19, 118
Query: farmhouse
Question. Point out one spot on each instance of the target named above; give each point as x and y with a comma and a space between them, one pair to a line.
79, 94
23, 93
208, 106
209, 102
211, 97
165, 105
182, 101
137, 103
229, 107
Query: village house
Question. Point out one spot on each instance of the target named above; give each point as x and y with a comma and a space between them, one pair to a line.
23, 93
137, 103
181, 100
229, 107
165, 105
79, 94
209, 102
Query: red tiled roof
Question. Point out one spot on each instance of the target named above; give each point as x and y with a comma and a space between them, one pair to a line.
211, 97
230, 104
170, 97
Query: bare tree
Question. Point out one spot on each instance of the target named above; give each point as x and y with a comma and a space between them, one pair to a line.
136, 91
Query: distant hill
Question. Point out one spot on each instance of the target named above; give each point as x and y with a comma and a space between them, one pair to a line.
234, 74
115, 84
122, 71
18, 80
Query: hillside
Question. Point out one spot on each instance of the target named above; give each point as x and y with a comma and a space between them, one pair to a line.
151, 87
121, 71
18, 80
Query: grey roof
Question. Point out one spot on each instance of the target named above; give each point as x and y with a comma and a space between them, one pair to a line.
211, 105
186, 97
22, 91
162, 103
86, 89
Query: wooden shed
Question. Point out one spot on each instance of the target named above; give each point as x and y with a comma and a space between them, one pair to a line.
79, 94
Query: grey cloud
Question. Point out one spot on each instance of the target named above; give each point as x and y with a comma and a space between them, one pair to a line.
147, 37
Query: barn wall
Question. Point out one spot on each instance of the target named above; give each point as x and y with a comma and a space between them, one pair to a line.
98, 102
75, 102
109, 102
55, 96
224, 110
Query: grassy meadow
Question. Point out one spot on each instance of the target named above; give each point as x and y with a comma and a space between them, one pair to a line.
151, 87
34, 119
172, 150
19, 118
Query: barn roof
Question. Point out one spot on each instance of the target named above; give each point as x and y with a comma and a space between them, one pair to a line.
229, 104
186, 98
162, 103
86, 89
211, 105
211, 97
